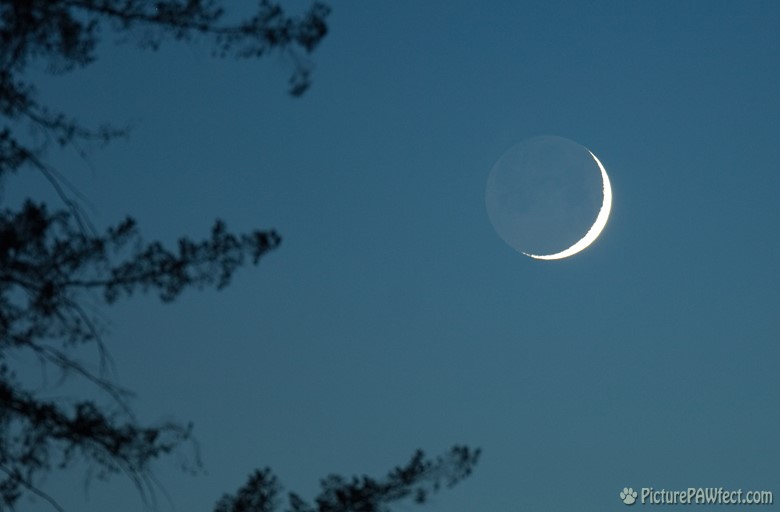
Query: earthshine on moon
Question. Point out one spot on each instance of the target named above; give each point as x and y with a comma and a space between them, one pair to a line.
543, 192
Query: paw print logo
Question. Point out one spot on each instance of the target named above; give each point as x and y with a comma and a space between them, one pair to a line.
628, 495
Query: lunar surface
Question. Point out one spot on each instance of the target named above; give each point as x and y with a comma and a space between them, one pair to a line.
548, 197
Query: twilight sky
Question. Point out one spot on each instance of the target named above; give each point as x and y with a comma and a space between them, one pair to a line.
393, 317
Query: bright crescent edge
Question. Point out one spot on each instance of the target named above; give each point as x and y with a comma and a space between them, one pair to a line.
597, 227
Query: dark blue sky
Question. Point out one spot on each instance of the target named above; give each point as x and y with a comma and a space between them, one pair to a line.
393, 317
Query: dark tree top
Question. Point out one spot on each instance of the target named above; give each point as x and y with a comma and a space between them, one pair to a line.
65, 34
52, 258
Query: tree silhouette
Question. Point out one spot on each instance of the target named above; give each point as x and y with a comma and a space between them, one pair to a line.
416, 480
51, 258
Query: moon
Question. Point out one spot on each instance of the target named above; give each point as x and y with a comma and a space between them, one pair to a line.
543, 191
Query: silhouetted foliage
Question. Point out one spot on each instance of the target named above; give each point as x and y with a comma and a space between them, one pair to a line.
53, 261
46, 264
415, 481
64, 33
32, 431
50, 260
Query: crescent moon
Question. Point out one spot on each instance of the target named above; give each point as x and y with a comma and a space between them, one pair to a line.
597, 227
